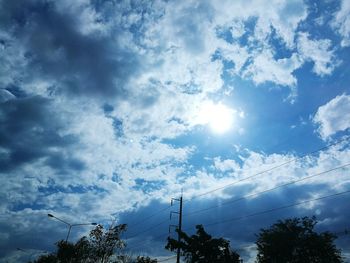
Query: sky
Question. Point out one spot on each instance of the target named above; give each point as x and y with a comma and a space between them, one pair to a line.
110, 108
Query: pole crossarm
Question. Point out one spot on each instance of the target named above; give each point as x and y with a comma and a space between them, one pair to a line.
179, 226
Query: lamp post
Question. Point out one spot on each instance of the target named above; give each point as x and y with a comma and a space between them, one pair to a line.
70, 225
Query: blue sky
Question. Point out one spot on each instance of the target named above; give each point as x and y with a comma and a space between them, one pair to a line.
109, 108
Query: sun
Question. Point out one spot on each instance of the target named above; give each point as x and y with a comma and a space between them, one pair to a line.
218, 116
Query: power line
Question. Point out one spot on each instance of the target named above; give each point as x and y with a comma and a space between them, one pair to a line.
275, 167
268, 170
266, 191
252, 245
244, 179
142, 243
254, 214
158, 212
166, 259
150, 228
149, 217
242, 198
276, 209
158, 224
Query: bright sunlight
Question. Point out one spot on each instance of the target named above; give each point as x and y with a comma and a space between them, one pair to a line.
218, 116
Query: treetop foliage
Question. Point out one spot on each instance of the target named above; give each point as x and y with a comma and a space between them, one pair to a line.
99, 247
202, 248
295, 241
287, 241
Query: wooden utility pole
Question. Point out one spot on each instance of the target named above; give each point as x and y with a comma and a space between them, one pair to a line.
178, 234
179, 226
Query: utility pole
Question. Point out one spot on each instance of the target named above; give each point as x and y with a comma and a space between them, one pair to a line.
179, 226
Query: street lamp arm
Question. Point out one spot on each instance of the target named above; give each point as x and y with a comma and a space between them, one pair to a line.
84, 224
70, 225
59, 219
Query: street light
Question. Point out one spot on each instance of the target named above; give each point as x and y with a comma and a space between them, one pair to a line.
70, 225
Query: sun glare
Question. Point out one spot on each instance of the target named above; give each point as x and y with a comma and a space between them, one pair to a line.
218, 116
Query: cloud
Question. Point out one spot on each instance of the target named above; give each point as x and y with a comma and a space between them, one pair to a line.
265, 68
318, 51
283, 16
225, 165
12, 59
333, 116
5, 95
188, 60
254, 52
341, 22
56, 48
29, 131
97, 100
237, 54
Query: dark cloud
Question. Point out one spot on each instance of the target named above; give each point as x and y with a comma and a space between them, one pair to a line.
29, 128
83, 64
240, 232
41, 236
64, 164
73, 63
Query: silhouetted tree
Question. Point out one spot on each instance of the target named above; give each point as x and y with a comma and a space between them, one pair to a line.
103, 244
202, 248
140, 259
51, 258
99, 247
295, 241
127, 258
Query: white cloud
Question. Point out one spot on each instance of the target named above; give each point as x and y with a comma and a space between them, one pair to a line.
334, 116
235, 53
237, 29
185, 57
12, 59
341, 22
279, 71
284, 16
235, 182
177, 42
225, 165
318, 51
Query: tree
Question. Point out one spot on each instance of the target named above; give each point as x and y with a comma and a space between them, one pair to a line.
127, 258
295, 241
140, 259
99, 247
202, 248
46, 259
103, 244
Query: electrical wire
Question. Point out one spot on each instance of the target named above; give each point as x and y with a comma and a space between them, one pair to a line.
244, 197
257, 213
148, 229
268, 170
139, 244
266, 191
166, 259
276, 209
254, 194
254, 214
149, 217
225, 186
